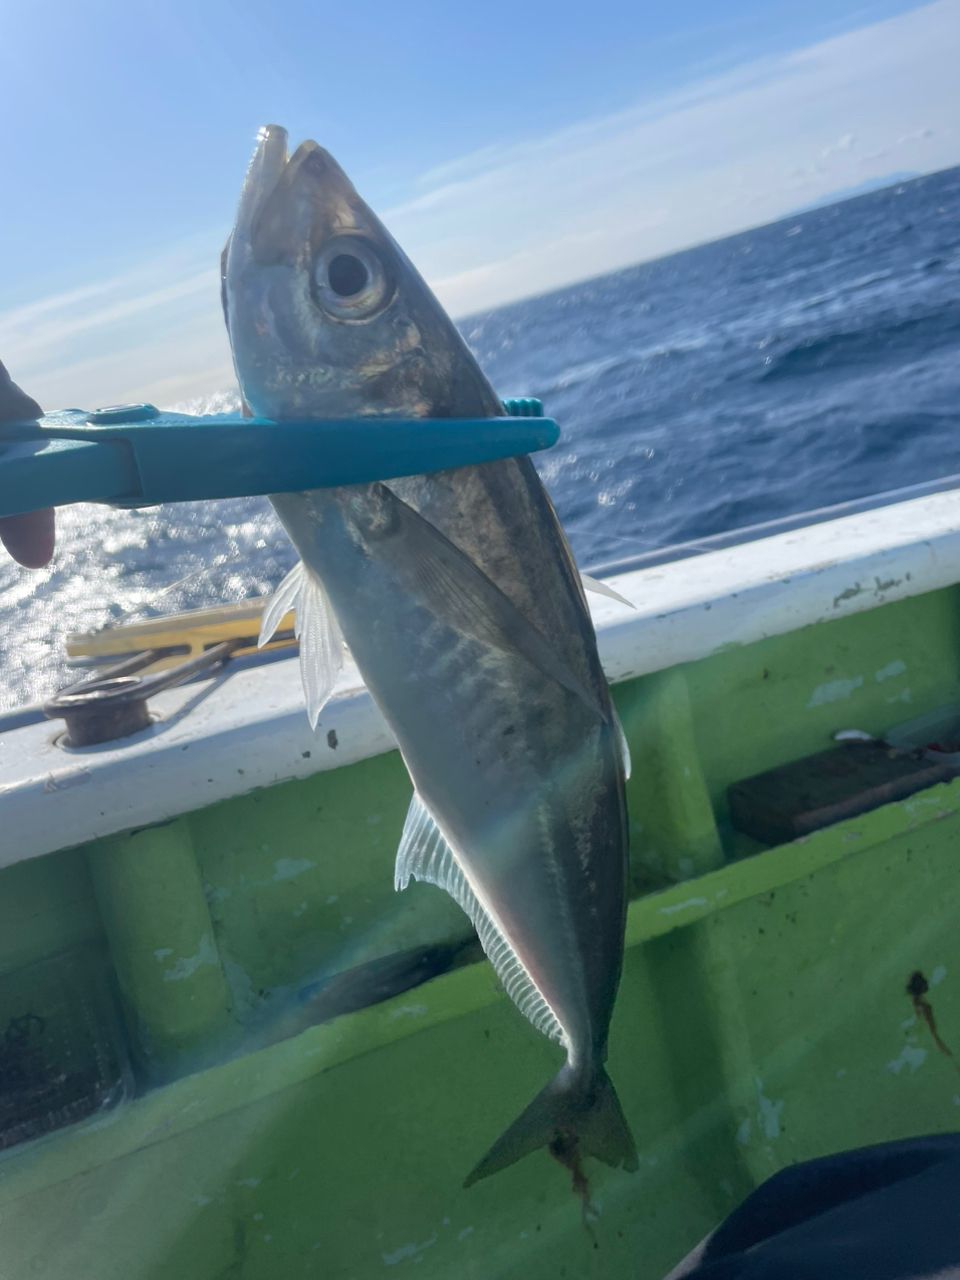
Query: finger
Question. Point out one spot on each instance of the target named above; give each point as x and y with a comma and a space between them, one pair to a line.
15, 405
29, 538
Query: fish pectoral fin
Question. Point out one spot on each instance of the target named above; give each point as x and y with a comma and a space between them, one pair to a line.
441, 575
601, 588
317, 629
425, 854
281, 602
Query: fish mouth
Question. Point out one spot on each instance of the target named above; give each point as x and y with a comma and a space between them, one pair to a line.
263, 173
281, 194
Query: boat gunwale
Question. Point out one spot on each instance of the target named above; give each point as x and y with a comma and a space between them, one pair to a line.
237, 732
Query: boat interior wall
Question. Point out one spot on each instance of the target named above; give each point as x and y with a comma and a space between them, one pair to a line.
275, 1041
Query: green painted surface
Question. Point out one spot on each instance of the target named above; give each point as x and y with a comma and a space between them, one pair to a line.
161, 938
673, 830
45, 906
763, 1017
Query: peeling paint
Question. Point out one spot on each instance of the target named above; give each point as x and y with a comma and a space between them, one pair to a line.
467, 1231
407, 1251
895, 668
410, 1011
744, 1131
905, 695
769, 1113
290, 868
911, 1056
834, 691
187, 966
938, 975
921, 808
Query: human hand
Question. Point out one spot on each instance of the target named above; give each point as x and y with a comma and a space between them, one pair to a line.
29, 538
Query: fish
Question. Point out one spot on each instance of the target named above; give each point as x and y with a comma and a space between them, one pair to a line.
460, 601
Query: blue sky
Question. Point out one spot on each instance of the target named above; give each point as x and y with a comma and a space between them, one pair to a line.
511, 147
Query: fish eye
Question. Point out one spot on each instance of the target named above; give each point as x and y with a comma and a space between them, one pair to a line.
350, 281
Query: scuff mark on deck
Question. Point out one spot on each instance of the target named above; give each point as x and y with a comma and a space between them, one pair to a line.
406, 1251
911, 1055
850, 594
769, 1113
682, 906
895, 668
187, 966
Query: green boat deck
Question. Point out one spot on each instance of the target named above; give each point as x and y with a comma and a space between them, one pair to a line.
764, 1015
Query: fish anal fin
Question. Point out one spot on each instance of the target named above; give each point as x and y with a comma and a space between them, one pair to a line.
425, 854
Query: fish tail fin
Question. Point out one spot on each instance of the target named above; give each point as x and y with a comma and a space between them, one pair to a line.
575, 1116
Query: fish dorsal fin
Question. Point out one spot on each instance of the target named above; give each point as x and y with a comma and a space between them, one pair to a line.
624, 744
317, 629
601, 588
425, 854
437, 572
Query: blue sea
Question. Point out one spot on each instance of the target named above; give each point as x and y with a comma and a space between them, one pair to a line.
798, 365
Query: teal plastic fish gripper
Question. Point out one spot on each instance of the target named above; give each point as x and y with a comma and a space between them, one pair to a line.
136, 456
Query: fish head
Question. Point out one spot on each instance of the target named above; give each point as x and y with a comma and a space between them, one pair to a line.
327, 317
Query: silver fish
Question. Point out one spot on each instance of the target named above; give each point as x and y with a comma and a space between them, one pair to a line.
460, 601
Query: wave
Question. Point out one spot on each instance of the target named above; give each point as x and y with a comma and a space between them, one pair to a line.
864, 345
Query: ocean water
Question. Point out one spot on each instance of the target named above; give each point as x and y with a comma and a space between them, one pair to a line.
791, 367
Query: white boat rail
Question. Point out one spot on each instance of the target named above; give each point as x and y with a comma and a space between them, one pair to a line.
245, 729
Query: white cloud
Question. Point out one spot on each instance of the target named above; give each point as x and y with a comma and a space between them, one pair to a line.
726, 151
152, 331
707, 160
835, 148
56, 320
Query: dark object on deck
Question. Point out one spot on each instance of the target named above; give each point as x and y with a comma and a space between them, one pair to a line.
881, 1213
62, 1057
113, 703
795, 799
